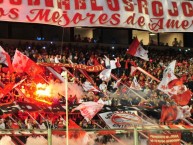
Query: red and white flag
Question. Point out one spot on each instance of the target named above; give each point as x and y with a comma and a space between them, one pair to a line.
5, 59
89, 109
183, 112
135, 49
168, 113
168, 76
135, 85
105, 75
21, 63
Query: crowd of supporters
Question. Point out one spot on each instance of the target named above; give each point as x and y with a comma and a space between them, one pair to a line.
121, 96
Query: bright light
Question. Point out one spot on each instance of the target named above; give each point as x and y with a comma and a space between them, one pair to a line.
43, 93
152, 34
43, 90
113, 47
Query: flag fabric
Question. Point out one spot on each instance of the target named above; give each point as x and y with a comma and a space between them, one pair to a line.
1, 94
170, 67
75, 131
105, 75
169, 113
135, 85
182, 99
115, 119
87, 86
168, 76
7, 88
89, 109
10, 108
183, 112
5, 59
21, 63
137, 50
133, 70
29, 107
56, 108
116, 85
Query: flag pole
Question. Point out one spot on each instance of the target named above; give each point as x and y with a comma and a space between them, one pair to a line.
66, 94
148, 74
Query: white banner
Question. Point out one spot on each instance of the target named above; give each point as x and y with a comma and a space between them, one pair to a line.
123, 119
151, 15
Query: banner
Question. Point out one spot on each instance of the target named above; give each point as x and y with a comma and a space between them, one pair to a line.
94, 68
155, 16
120, 120
160, 139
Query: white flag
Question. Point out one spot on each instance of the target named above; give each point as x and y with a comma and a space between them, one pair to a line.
89, 109
105, 75
135, 85
133, 69
87, 86
168, 76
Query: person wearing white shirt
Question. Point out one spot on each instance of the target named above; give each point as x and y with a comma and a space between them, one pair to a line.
57, 59
42, 126
107, 62
113, 64
103, 87
2, 124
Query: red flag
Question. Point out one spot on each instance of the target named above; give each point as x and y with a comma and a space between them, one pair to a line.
22, 63
75, 131
7, 89
168, 76
175, 82
137, 50
32, 68
133, 70
182, 99
169, 113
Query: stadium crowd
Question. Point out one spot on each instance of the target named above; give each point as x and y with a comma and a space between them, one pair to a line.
112, 96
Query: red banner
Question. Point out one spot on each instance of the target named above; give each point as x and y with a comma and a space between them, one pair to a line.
94, 68
160, 139
156, 16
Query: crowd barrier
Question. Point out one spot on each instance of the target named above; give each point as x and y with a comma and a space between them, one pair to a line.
129, 136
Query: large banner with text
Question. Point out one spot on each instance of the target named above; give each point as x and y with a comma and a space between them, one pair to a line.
165, 139
151, 15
